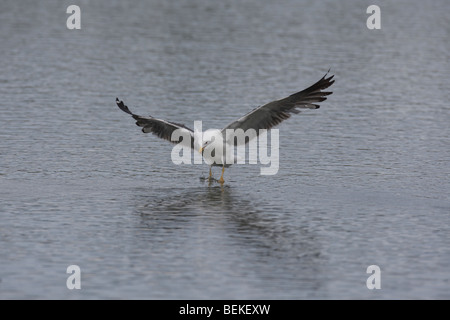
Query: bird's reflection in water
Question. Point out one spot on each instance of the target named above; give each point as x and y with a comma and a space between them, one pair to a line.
253, 232
217, 202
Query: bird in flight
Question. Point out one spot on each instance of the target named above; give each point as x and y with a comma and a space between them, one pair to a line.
262, 117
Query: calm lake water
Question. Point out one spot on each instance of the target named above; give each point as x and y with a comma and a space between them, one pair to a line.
363, 181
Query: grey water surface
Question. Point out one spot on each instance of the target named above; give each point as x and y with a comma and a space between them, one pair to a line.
364, 180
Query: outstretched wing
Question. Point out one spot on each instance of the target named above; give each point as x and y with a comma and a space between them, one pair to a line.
161, 128
273, 113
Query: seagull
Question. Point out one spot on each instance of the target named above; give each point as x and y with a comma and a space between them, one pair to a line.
262, 117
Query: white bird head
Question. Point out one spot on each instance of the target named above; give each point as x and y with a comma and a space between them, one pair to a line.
208, 138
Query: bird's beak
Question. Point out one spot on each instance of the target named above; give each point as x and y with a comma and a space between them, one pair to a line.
201, 150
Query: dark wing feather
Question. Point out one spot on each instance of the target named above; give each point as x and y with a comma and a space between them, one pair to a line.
273, 113
161, 128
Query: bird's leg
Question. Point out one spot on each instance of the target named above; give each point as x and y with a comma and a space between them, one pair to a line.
221, 177
210, 173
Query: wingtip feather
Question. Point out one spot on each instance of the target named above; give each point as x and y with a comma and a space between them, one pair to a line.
122, 106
